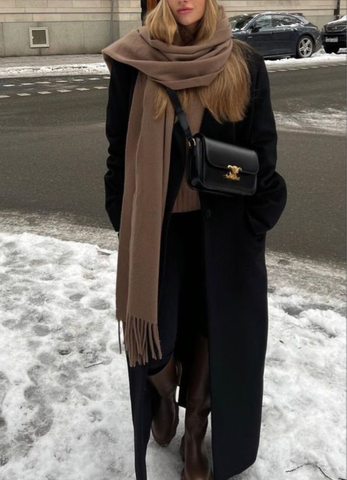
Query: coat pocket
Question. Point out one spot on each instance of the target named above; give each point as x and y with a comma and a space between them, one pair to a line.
251, 223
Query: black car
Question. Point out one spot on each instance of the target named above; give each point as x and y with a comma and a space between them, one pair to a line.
277, 34
334, 35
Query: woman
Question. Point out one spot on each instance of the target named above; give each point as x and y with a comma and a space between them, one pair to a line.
191, 286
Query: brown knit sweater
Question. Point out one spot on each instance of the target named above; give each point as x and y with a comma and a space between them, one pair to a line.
187, 199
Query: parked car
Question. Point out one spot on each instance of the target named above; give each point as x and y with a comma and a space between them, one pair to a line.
334, 35
277, 34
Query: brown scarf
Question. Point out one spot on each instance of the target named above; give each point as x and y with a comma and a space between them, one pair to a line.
147, 160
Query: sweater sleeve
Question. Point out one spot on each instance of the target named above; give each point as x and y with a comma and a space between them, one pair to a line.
266, 206
117, 116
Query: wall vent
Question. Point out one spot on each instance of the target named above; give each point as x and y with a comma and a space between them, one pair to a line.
38, 37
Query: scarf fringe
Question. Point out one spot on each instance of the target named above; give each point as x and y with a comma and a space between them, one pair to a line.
137, 334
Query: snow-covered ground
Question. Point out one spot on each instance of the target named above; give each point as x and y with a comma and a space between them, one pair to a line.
325, 121
73, 65
317, 59
64, 399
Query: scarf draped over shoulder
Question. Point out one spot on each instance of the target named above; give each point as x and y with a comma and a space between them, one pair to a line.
147, 162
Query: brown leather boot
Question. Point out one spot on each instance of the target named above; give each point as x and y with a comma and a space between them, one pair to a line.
166, 417
193, 448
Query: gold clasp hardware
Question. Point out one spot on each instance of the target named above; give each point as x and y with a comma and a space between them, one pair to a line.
232, 175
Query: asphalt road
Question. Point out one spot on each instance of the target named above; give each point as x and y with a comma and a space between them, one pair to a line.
54, 149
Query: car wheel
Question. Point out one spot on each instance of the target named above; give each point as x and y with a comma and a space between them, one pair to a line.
304, 48
331, 48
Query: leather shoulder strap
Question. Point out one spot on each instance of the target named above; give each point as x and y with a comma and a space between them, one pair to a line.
182, 118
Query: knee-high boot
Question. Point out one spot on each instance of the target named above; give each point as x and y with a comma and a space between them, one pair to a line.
166, 414
193, 448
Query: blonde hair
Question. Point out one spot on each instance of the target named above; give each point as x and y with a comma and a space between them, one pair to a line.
228, 94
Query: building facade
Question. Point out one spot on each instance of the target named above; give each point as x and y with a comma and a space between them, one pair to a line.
53, 27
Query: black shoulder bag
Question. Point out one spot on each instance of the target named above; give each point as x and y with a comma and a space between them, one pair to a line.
215, 166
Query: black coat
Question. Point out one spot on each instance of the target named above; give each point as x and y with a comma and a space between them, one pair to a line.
234, 232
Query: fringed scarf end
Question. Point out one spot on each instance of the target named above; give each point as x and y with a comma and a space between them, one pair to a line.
137, 334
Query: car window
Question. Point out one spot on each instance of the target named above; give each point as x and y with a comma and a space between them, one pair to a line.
239, 21
264, 22
284, 21
302, 19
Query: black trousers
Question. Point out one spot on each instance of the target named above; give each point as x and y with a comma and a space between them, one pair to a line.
183, 281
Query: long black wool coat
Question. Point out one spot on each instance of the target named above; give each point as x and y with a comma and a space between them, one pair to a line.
234, 236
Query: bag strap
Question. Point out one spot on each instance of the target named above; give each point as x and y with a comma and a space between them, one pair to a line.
182, 118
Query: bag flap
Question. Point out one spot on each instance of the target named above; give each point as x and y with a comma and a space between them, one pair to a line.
221, 154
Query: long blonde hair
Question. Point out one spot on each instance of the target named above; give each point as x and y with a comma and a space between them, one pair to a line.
228, 94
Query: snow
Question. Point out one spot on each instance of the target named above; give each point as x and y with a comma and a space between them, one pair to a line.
64, 396
52, 70
325, 121
317, 59
95, 65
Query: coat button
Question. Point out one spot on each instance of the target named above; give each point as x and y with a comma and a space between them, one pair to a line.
208, 213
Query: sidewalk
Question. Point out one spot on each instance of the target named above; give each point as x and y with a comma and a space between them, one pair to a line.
45, 60
64, 387
47, 65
